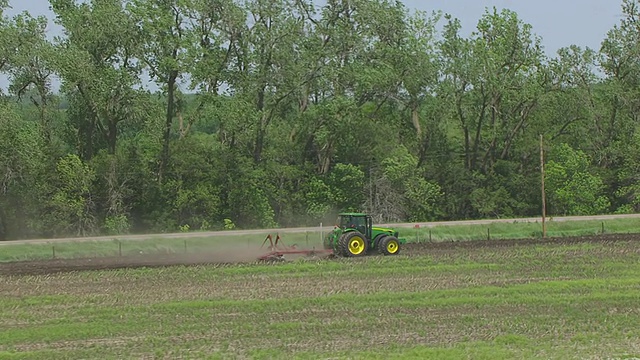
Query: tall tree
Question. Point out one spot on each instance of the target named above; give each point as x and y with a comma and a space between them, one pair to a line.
621, 64
21, 174
31, 71
99, 70
615, 131
214, 30
161, 27
265, 56
7, 37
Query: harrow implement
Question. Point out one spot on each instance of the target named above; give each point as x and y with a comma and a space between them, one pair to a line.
276, 249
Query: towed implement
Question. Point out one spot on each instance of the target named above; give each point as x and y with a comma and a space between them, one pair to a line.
276, 249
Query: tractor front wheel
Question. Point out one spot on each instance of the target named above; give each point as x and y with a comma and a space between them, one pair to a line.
389, 245
353, 244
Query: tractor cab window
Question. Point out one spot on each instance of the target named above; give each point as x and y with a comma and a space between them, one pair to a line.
355, 222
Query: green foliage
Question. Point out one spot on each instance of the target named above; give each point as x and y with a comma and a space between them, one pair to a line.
248, 198
96, 61
20, 148
70, 207
347, 184
229, 225
21, 168
317, 197
629, 175
116, 225
573, 190
399, 165
282, 113
191, 187
490, 203
423, 198
413, 196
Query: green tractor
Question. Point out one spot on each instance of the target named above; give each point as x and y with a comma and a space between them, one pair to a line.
354, 235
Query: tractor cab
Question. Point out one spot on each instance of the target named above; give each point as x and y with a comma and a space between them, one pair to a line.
356, 221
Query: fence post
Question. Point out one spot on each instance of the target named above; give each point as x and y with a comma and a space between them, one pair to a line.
53, 249
488, 234
430, 236
119, 248
602, 227
185, 246
306, 237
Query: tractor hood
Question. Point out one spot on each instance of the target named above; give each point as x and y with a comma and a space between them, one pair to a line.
375, 228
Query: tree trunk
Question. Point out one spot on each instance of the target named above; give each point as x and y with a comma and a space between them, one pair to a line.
261, 128
164, 159
88, 133
112, 136
3, 228
415, 118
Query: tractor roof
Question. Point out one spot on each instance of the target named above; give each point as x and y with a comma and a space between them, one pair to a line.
352, 214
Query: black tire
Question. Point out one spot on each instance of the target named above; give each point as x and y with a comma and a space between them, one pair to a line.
337, 250
389, 245
376, 241
353, 244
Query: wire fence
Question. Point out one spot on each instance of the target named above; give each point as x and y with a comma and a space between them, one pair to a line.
308, 240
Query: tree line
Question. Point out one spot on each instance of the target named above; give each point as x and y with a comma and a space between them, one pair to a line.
209, 114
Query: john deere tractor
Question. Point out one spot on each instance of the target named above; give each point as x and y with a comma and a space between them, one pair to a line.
354, 235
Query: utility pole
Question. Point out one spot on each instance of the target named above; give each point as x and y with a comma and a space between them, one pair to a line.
544, 205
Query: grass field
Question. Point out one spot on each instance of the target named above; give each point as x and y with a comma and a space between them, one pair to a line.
68, 250
554, 300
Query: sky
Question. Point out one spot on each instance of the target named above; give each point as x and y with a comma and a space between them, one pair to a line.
559, 23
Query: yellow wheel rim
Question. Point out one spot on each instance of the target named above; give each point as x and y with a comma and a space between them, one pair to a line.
356, 245
392, 247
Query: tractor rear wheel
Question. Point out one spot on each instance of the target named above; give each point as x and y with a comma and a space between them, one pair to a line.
353, 244
389, 245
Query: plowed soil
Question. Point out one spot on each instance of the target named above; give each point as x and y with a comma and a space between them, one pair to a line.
414, 249
565, 298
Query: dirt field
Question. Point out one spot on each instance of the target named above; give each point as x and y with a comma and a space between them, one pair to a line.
569, 298
243, 255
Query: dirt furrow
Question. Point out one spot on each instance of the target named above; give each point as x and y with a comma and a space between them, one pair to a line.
244, 256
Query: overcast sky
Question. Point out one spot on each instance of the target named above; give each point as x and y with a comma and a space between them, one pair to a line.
559, 22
